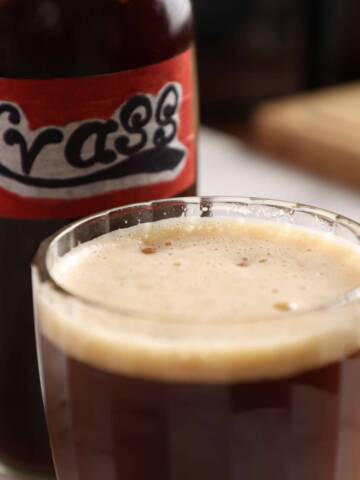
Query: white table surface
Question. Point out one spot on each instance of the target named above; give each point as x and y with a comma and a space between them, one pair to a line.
229, 168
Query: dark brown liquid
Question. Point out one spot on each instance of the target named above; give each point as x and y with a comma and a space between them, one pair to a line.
46, 39
108, 426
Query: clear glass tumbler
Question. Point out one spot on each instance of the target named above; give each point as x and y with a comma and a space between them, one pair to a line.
181, 423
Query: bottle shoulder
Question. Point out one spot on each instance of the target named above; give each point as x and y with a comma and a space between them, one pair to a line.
61, 38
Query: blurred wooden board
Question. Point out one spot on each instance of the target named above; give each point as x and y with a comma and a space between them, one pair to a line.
320, 131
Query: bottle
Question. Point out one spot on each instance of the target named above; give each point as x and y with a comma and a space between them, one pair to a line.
96, 110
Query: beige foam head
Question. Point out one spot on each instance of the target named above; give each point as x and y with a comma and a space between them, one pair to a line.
205, 300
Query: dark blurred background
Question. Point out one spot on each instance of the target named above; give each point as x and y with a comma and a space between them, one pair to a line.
252, 50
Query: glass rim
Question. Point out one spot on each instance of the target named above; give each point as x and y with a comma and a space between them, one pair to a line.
40, 261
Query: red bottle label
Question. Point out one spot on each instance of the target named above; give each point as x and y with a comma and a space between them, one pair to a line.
70, 147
